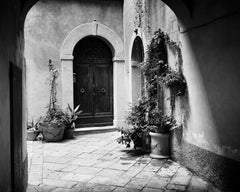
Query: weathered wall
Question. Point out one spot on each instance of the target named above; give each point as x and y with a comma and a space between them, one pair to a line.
13, 158
46, 26
210, 109
211, 66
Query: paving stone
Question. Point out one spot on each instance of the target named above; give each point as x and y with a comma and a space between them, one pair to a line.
197, 184
59, 183
103, 188
60, 189
145, 175
181, 180
103, 164
182, 171
152, 190
165, 172
121, 181
137, 183
121, 189
77, 177
110, 172
54, 166
84, 162
158, 182
122, 165
100, 180
176, 187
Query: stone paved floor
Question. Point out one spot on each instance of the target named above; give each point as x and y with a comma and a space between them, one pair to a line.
96, 162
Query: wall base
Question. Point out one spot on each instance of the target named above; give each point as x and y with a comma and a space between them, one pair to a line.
219, 170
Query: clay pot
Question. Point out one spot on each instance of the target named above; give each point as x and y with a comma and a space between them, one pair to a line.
32, 135
52, 132
159, 145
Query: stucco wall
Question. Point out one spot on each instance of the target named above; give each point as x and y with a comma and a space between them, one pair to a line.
13, 157
210, 109
46, 26
211, 66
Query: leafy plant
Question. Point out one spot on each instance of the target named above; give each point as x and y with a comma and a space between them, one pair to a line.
32, 126
160, 123
71, 115
137, 125
173, 79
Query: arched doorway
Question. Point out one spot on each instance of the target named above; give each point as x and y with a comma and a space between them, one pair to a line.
93, 82
137, 57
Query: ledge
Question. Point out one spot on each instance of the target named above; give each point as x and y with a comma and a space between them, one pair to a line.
93, 130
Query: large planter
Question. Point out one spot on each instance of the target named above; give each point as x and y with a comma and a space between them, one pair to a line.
52, 132
159, 145
32, 135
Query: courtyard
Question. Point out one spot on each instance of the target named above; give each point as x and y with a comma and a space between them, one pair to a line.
96, 162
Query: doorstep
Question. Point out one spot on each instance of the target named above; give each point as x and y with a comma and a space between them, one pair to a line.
93, 130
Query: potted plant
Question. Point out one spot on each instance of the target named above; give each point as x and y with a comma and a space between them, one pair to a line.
159, 126
53, 126
71, 115
137, 130
32, 130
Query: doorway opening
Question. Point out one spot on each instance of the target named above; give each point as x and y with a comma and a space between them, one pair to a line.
137, 58
93, 82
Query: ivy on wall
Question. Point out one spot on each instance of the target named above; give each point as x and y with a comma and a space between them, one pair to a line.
157, 70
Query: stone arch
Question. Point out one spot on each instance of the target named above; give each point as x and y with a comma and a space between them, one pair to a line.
116, 45
136, 81
93, 29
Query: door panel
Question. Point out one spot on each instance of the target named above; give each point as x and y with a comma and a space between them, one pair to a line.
93, 88
82, 89
103, 89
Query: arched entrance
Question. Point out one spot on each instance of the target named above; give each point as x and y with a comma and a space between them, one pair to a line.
115, 45
137, 58
93, 82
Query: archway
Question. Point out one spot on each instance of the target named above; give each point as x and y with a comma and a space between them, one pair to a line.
93, 82
137, 58
97, 30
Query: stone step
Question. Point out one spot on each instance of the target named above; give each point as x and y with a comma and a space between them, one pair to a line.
93, 130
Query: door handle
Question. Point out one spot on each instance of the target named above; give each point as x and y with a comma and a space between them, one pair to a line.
82, 90
103, 90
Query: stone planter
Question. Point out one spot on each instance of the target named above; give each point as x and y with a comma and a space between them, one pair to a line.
32, 135
159, 145
68, 134
52, 132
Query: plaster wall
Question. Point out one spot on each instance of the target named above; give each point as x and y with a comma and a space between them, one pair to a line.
209, 43
211, 67
13, 158
46, 26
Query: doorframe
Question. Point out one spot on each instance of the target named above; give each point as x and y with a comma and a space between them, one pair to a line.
115, 43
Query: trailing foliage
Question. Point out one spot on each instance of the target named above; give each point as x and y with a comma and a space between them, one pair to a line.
145, 115
137, 122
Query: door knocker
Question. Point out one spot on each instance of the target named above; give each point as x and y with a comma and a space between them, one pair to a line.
103, 90
82, 90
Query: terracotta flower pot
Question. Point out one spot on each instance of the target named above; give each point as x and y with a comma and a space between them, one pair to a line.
52, 132
68, 134
32, 135
159, 145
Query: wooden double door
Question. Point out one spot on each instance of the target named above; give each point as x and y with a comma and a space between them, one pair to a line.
93, 82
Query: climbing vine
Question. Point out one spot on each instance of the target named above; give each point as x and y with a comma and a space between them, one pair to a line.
157, 71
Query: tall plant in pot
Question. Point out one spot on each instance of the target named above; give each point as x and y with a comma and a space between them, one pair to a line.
160, 126
53, 125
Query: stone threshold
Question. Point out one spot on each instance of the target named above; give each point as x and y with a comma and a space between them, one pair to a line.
93, 130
